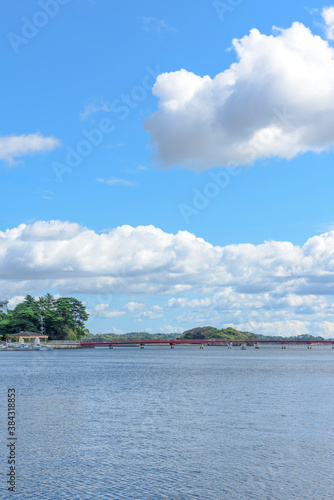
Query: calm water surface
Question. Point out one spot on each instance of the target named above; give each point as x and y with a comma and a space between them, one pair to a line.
157, 423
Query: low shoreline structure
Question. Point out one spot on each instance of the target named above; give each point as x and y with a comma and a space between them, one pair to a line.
206, 342
50, 346
66, 344
229, 343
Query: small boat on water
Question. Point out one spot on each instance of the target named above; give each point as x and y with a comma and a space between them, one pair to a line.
44, 347
25, 347
6, 347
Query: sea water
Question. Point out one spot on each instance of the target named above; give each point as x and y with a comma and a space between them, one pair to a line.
160, 423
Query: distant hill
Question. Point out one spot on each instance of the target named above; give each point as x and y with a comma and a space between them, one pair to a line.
278, 337
210, 332
205, 332
201, 332
133, 336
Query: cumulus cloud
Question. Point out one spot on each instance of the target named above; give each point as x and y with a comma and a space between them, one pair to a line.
277, 100
248, 309
14, 301
155, 312
272, 283
145, 259
13, 146
328, 16
133, 306
104, 311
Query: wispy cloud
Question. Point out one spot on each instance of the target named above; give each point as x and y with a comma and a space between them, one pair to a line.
17, 146
119, 332
94, 108
156, 25
113, 181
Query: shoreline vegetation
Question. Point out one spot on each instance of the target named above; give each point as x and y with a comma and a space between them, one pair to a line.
64, 319
205, 332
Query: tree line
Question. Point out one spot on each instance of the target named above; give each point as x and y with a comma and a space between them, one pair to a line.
64, 318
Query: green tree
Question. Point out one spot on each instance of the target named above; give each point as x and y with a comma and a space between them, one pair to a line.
64, 318
74, 314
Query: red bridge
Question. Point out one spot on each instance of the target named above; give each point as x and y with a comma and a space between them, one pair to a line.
201, 342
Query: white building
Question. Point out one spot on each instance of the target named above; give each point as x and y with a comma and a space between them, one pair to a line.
3, 306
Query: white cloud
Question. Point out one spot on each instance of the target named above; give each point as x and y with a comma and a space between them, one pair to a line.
285, 328
155, 312
146, 259
243, 309
277, 100
94, 108
290, 327
116, 330
54, 230
133, 306
14, 301
170, 329
104, 311
156, 25
16, 146
275, 284
328, 16
113, 181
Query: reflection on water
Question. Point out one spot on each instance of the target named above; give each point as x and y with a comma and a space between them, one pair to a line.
186, 423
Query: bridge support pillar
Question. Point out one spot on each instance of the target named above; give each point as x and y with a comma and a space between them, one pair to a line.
201, 346
111, 347
142, 347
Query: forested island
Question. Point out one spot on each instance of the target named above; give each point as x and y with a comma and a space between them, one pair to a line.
64, 318
205, 332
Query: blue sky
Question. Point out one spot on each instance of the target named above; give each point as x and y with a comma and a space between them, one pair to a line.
165, 224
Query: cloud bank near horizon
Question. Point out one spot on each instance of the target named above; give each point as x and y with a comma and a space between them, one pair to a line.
250, 284
147, 260
276, 101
